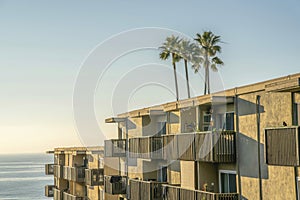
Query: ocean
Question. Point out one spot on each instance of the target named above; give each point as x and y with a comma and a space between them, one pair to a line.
23, 176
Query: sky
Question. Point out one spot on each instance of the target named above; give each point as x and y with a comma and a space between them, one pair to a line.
44, 45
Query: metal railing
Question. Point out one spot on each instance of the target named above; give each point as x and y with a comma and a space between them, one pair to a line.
94, 177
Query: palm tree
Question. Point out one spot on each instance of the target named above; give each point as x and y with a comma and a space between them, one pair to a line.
170, 47
209, 48
185, 52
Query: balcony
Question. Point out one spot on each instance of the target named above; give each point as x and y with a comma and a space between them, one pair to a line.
146, 147
94, 177
58, 171
115, 184
216, 147
173, 192
49, 169
145, 190
57, 194
49, 190
67, 196
76, 174
115, 148
282, 146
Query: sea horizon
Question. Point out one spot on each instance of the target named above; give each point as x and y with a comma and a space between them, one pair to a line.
22, 176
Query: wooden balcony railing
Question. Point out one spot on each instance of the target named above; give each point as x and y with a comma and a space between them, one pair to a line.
146, 147
49, 190
115, 148
215, 146
145, 190
49, 169
76, 174
67, 196
282, 146
57, 194
115, 184
94, 177
174, 192
58, 171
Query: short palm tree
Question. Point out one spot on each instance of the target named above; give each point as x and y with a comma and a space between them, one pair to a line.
209, 48
170, 48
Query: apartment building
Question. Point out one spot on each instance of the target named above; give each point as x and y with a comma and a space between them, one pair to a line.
242, 143
78, 174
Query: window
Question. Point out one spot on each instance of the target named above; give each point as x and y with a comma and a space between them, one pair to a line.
206, 121
162, 174
161, 128
225, 121
227, 181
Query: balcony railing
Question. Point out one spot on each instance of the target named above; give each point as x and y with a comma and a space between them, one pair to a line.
146, 147
49, 190
94, 177
115, 148
76, 174
58, 171
173, 192
115, 184
57, 194
282, 146
214, 146
49, 169
67, 196
145, 190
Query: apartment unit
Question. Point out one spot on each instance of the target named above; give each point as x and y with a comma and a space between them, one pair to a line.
242, 143
78, 174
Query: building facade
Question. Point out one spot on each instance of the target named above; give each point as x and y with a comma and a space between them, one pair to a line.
241, 143
78, 174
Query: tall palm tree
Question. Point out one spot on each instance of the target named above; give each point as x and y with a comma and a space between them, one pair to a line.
209, 48
170, 48
185, 52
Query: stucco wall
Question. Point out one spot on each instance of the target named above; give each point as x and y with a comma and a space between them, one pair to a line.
188, 174
275, 108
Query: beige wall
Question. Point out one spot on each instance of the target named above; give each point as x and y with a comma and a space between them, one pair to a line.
173, 124
276, 108
111, 166
188, 174
188, 120
174, 173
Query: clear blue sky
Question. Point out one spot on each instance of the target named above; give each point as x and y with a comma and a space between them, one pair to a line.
43, 43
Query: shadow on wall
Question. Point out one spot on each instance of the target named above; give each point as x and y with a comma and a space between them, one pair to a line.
131, 125
248, 158
248, 107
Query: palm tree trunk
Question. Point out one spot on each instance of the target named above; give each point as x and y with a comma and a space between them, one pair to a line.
206, 64
208, 83
175, 77
187, 78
